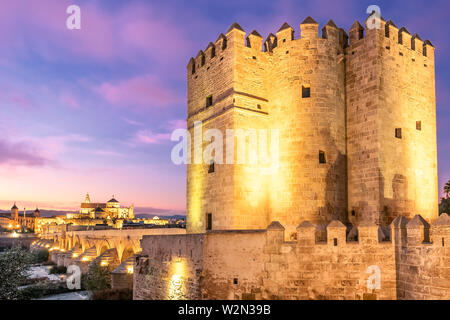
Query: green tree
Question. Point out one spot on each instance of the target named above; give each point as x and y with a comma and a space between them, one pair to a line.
14, 264
98, 278
40, 256
444, 206
447, 189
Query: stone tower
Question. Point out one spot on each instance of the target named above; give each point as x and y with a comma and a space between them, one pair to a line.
391, 125
15, 212
337, 108
87, 199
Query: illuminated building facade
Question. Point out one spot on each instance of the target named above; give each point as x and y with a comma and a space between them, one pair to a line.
355, 194
356, 120
18, 221
108, 210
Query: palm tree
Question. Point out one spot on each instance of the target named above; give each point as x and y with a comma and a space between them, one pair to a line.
447, 189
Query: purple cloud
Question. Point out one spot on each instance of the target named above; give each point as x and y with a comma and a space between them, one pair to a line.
105, 35
142, 92
21, 153
149, 137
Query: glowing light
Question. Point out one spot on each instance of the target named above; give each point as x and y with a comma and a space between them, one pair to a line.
130, 269
104, 263
85, 259
176, 290
10, 226
74, 255
15, 235
47, 246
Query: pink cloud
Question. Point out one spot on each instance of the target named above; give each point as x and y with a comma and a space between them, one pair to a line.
176, 124
105, 35
16, 97
36, 151
149, 137
141, 91
133, 122
70, 100
20, 153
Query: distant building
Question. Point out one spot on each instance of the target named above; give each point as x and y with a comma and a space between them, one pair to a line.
17, 221
108, 210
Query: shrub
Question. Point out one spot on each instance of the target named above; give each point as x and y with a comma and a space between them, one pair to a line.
58, 270
97, 279
444, 206
40, 256
43, 289
14, 264
113, 294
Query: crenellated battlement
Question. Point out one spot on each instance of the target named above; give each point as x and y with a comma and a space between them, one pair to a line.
416, 231
309, 30
393, 36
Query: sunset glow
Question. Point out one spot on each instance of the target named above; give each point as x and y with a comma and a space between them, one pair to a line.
92, 110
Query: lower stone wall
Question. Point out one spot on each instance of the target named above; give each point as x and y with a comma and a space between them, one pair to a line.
424, 273
260, 265
236, 270
169, 268
121, 281
367, 263
7, 241
423, 261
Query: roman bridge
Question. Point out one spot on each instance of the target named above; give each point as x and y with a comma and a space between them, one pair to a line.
112, 248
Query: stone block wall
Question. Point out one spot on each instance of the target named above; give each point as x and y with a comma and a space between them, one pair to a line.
260, 264
391, 125
423, 255
121, 280
360, 94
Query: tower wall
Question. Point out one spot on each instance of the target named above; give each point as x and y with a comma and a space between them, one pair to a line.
303, 188
390, 86
359, 94
210, 192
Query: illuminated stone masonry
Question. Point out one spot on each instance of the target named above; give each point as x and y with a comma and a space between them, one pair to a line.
356, 121
324, 263
347, 214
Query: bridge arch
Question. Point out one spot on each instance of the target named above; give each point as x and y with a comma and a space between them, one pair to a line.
102, 246
127, 252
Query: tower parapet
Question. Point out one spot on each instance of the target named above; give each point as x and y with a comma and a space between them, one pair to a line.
309, 29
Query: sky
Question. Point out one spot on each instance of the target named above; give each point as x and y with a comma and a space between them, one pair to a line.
92, 110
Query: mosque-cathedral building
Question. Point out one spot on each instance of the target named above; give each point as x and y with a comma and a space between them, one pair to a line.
110, 210
91, 214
